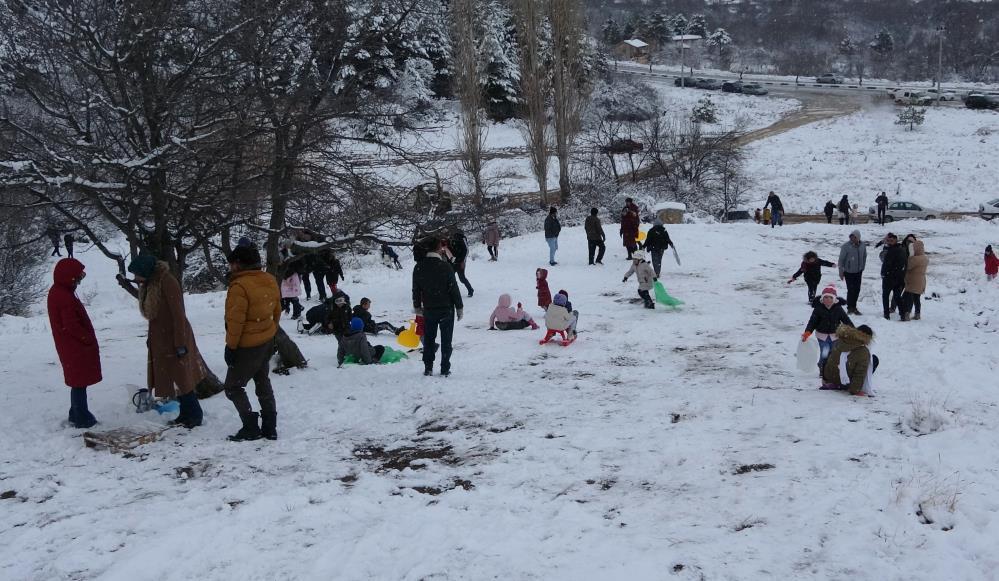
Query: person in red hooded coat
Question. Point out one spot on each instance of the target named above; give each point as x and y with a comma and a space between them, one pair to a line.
75, 340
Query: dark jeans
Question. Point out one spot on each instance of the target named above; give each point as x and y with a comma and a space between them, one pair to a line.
459, 269
910, 300
69, 248
813, 286
852, 288
881, 216
776, 219
493, 252
293, 305
320, 276
891, 292
631, 248
444, 320
657, 261
307, 284
593, 246
251, 363
829, 218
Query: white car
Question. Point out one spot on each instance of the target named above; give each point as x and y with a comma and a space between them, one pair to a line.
989, 209
944, 96
903, 210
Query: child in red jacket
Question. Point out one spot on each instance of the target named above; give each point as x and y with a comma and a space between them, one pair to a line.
991, 263
544, 294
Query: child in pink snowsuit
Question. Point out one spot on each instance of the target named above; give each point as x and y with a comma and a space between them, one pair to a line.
505, 318
291, 287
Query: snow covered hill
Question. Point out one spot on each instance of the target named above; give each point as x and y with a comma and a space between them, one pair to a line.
661, 445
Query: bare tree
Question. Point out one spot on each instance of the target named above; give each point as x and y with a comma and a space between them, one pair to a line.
535, 87
568, 85
466, 74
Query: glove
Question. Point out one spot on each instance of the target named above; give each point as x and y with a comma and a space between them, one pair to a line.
418, 312
459, 313
181, 352
625, 279
790, 281
805, 336
230, 357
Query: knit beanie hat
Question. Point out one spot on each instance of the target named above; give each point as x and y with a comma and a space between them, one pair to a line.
143, 265
356, 324
244, 241
829, 291
560, 300
245, 256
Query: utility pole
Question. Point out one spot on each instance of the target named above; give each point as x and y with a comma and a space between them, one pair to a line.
940, 30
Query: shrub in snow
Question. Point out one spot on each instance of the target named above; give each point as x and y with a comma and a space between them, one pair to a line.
704, 111
924, 416
911, 116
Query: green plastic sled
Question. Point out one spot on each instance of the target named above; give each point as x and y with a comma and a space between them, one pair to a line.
390, 356
664, 298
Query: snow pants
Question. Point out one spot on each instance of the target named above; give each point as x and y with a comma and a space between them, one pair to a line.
251, 363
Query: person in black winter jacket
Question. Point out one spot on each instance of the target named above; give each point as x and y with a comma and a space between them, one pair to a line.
893, 263
552, 229
362, 311
829, 210
827, 315
811, 267
437, 299
844, 210
334, 272
458, 245
776, 210
656, 242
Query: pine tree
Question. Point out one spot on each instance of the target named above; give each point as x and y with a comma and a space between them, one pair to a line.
704, 111
911, 116
499, 68
610, 32
680, 24
698, 25
720, 47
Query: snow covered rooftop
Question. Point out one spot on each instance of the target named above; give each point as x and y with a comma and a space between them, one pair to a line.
670, 206
680, 37
637, 43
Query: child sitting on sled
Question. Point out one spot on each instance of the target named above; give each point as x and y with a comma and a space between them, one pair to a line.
505, 318
559, 320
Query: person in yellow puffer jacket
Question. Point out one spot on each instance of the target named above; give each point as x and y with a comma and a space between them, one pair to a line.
252, 312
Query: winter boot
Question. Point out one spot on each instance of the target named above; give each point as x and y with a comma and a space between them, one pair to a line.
915, 317
79, 413
445, 371
268, 425
250, 430
534, 326
428, 369
191, 415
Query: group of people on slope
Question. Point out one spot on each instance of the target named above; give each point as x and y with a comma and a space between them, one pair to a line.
68, 239
174, 363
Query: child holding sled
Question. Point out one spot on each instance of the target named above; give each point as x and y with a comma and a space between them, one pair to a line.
827, 316
560, 320
646, 277
811, 267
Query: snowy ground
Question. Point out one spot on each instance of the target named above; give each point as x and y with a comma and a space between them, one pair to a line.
507, 169
946, 164
660, 445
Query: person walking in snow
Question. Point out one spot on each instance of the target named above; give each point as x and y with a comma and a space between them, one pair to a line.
390, 257
436, 298
893, 263
851, 364
657, 241
252, 313
544, 294
53, 235
991, 264
505, 318
75, 339
915, 281
777, 209
552, 229
646, 277
458, 246
629, 226
363, 311
829, 210
844, 210
852, 262
68, 241
811, 267
174, 366
491, 238
595, 237
827, 316
882, 203
291, 287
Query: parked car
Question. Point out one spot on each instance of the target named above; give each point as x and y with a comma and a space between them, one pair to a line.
732, 86
686, 82
903, 210
754, 89
944, 95
829, 79
735, 216
709, 84
980, 101
989, 210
